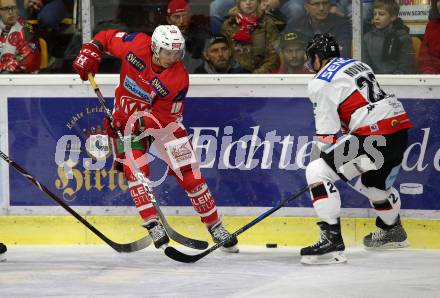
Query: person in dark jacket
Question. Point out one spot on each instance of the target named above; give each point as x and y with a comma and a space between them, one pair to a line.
292, 54
195, 30
387, 46
253, 37
319, 20
217, 57
429, 58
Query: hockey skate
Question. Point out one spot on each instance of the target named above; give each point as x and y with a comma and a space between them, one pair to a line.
386, 237
157, 233
328, 250
219, 233
3, 250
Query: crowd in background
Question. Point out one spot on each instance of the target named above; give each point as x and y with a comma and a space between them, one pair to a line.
222, 36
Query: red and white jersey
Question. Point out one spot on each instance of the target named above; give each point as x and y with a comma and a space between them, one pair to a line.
346, 96
140, 88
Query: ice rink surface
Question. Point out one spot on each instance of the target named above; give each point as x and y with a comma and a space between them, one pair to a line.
97, 271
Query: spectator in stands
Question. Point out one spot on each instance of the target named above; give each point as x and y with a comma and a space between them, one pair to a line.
194, 31
429, 58
388, 47
292, 54
253, 36
319, 20
218, 57
272, 10
342, 8
218, 11
49, 13
18, 52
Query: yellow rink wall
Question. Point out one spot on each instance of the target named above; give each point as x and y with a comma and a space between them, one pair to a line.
285, 231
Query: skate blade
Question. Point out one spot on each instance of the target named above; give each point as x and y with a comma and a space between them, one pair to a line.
233, 249
3, 257
163, 246
390, 245
336, 257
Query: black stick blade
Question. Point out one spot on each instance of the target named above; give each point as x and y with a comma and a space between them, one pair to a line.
178, 256
133, 246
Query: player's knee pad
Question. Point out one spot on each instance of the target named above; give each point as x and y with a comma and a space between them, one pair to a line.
372, 193
318, 171
356, 167
180, 155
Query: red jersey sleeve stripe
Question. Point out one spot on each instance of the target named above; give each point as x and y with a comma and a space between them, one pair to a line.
353, 102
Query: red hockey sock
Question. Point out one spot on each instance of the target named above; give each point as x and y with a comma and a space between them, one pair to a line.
200, 197
137, 191
142, 201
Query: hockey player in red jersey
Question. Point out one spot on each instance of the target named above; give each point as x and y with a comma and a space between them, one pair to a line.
346, 96
153, 81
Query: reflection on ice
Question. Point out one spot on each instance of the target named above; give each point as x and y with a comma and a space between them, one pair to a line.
97, 271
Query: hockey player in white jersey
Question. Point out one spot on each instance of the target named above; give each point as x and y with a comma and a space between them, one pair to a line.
347, 98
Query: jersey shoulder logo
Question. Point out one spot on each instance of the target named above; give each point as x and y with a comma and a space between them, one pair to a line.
181, 95
135, 61
160, 88
332, 68
129, 37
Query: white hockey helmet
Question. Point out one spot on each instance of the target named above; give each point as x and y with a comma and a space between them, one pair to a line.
167, 37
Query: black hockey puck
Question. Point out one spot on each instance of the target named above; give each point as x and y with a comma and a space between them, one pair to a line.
271, 245
3, 248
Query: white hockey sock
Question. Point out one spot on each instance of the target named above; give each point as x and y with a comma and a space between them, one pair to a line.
388, 209
326, 201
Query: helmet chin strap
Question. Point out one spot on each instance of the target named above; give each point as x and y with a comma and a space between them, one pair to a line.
319, 68
156, 60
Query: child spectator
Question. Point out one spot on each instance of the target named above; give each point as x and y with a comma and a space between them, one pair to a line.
285, 10
429, 58
253, 36
387, 46
292, 54
17, 54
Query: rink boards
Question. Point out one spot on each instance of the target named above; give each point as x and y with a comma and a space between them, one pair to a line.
251, 134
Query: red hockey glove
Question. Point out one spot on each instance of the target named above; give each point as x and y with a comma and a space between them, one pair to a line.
106, 124
120, 122
87, 60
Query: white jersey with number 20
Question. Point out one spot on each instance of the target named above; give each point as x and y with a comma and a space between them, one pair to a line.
346, 95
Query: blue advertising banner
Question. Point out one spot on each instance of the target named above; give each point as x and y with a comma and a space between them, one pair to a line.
252, 153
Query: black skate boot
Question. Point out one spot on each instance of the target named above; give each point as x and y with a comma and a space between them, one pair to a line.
328, 250
386, 236
3, 250
157, 233
219, 233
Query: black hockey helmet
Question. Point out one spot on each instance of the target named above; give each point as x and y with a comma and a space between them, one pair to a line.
324, 45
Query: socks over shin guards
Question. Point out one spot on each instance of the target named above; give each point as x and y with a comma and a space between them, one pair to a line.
203, 203
200, 196
142, 201
326, 201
